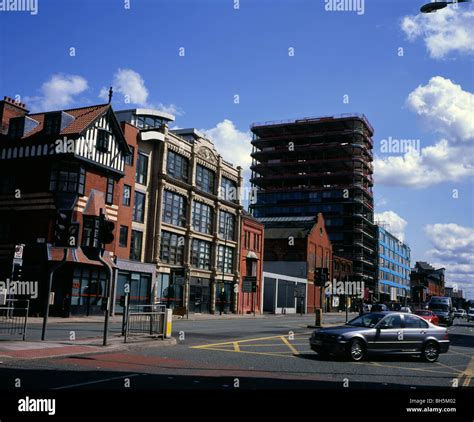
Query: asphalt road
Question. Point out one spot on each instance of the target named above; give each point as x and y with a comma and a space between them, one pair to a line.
261, 353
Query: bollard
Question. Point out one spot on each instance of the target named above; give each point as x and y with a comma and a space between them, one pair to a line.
168, 322
318, 317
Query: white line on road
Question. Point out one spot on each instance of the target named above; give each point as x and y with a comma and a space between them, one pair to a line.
95, 382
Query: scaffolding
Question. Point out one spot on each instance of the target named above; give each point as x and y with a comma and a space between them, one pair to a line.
321, 164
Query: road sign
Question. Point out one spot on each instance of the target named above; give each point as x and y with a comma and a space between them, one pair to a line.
18, 251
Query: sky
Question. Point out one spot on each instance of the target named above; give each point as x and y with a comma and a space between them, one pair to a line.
221, 65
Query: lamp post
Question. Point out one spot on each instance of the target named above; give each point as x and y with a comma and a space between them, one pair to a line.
438, 5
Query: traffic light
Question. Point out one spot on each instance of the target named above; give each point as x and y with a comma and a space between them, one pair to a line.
61, 227
321, 275
106, 231
16, 272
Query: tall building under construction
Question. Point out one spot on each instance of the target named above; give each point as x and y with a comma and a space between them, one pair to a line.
311, 165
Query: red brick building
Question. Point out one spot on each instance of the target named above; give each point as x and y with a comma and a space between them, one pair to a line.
77, 159
251, 263
297, 246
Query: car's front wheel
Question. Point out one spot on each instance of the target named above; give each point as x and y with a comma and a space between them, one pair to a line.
356, 350
430, 352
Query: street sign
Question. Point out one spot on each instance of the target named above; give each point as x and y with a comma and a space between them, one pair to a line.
18, 251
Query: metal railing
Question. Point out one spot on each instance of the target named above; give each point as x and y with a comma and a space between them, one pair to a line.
14, 317
145, 320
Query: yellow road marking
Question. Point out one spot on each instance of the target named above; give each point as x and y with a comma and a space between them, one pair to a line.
449, 367
255, 353
230, 343
236, 347
405, 368
468, 373
284, 340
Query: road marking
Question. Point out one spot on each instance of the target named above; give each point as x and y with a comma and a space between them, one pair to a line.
449, 367
284, 340
467, 374
405, 368
254, 353
236, 347
231, 343
95, 382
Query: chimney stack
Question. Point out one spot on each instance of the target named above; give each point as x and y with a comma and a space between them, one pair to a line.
10, 108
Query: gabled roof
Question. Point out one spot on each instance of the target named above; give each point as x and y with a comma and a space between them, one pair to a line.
83, 118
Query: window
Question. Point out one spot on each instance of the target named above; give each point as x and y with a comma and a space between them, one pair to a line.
142, 168
127, 193
391, 322
129, 158
172, 248
139, 207
177, 166
174, 209
16, 127
90, 232
225, 258
123, 240
228, 190
109, 199
136, 245
226, 225
103, 140
201, 254
52, 124
202, 217
256, 242
7, 184
205, 179
5, 230
64, 179
414, 322
251, 267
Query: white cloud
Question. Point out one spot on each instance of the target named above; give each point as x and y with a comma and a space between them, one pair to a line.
444, 32
453, 249
445, 108
130, 84
133, 90
233, 144
395, 224
57, 93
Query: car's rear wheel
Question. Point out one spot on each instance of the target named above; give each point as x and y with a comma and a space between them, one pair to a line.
356, 350
430, 352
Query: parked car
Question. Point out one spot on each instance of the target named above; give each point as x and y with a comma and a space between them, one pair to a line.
379, 307
382, 332
430, 316
460, 313
406, 309
470, 315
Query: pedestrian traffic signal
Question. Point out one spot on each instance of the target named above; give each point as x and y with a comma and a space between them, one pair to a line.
106, 231
61, 228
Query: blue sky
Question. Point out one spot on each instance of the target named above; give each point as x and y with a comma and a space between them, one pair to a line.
245, 52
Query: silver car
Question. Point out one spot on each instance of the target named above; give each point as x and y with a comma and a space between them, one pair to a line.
382, 332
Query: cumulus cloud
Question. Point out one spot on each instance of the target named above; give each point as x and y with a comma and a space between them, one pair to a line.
395, 224
58, 92
444, 32
445, 108
233, 144
133, 90
453, 249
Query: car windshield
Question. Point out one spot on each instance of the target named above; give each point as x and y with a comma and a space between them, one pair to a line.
439, 307
368, 320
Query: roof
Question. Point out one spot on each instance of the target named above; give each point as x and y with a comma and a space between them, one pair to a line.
83, 117
249, 216
424, 265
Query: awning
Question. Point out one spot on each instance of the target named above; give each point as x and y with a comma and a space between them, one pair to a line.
77, 256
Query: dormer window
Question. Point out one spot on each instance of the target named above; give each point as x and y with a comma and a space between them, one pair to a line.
52, 123
103, 137
16, 127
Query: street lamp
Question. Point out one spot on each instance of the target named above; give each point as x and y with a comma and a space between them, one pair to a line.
437, 5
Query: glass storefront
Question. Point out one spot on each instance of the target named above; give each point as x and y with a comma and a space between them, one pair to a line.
140, 289
88, 290
169, 295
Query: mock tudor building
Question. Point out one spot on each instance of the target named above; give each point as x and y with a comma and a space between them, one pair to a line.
191, 221
66, 159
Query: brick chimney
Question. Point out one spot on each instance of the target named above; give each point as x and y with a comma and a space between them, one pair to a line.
10, 108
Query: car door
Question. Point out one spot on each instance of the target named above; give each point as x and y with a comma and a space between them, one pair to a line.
389, 334
414, 331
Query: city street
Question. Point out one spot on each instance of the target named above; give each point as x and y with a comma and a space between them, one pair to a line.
269, 352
